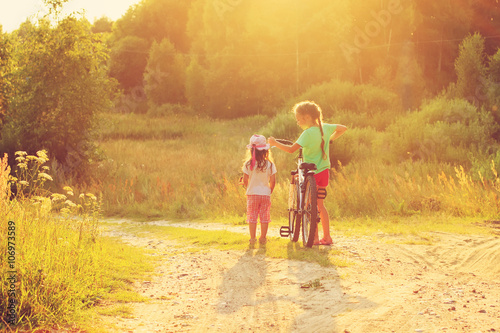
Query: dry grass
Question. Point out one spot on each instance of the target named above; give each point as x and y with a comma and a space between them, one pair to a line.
59, 267
194, 175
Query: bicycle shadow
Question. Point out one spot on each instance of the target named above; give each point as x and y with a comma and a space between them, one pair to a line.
321, 295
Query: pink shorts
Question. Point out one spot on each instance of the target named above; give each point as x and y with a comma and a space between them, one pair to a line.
258, 206
322, 178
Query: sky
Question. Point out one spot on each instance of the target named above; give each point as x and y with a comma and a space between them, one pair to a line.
15, 12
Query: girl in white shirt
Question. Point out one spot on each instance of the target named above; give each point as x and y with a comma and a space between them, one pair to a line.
259, 178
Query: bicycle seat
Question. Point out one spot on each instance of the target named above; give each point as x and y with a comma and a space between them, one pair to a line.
307, 166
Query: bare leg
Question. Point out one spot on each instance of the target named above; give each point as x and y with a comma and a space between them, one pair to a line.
263, 232
325, 220
253, 230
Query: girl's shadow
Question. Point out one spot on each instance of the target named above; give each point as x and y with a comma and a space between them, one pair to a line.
242, 280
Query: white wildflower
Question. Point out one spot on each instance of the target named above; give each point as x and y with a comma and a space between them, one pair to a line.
45, 176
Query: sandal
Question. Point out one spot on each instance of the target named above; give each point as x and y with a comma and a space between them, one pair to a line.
262, 241
324, 242
252, 241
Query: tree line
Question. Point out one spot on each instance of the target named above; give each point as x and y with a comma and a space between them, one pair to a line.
236, 58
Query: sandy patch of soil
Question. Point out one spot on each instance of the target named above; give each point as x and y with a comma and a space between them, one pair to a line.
450, 286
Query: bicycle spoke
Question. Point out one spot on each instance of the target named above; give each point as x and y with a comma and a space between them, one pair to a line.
309, 212
293, 211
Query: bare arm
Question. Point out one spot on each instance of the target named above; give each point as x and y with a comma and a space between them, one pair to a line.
338, 132
272, 182
245, 180
289, 149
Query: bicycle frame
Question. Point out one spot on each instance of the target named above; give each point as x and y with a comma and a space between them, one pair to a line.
302, 209
301, 179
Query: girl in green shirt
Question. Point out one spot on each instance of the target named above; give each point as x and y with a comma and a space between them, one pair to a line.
315, 150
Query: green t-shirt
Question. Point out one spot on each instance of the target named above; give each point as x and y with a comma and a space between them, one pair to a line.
310, 141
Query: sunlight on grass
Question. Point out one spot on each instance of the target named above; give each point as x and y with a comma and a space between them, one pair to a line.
412, 230
182, 176
225, 240
123, 311
168, 182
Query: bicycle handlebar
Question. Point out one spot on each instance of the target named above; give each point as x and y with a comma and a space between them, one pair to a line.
285, 142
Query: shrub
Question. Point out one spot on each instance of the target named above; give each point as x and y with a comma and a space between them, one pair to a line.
167, 109
358, 144
60, 86
358, 104
283, 126
444, 130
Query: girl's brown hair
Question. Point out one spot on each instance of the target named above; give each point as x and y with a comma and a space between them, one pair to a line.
314, 111
261, 158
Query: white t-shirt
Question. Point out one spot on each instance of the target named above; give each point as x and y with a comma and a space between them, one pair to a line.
258, 181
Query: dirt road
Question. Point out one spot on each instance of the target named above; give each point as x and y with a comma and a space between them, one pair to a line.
450, 286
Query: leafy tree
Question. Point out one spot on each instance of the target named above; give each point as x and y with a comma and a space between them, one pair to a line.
439, 25
241, 56
494, 79
484, 20
128, 61
252, 56
134, 33
5, 68
102, 25
195, 86
154, 20
470, 67
165, 74
61, 84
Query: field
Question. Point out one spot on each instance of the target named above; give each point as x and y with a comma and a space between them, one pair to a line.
393, 220
415, 245
121, 152
188, 168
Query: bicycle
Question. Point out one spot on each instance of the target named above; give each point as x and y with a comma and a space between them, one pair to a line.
302, 202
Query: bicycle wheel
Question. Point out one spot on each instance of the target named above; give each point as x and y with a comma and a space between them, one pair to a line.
309, 211
293, 211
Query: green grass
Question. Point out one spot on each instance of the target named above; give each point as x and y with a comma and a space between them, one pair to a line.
225, 240
409, 228
123, 311
61, 279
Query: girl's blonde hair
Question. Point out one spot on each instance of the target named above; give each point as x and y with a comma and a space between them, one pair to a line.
314, 111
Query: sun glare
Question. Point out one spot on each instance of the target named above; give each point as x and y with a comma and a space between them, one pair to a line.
12, 14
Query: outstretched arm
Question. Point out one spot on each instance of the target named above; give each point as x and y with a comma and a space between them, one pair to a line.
338, 132
289, 149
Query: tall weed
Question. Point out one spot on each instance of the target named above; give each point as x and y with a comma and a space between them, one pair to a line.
183, 177
59, 267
